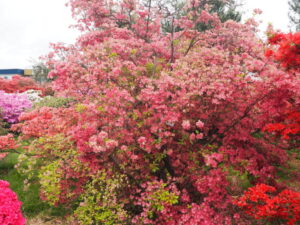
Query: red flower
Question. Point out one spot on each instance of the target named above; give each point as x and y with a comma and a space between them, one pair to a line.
269, 53
276, 38
261, 203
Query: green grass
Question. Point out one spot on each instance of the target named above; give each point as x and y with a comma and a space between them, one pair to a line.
8, 162
32, 205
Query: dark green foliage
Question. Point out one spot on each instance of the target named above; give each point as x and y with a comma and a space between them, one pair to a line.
226, 11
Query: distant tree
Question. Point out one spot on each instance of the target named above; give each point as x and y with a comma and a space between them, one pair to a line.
294, 14
40, 72
226, 10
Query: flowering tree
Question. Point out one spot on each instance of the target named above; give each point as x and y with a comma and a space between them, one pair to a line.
166, 128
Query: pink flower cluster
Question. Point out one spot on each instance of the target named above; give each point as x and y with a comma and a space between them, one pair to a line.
7, 142
12, 105
10, 206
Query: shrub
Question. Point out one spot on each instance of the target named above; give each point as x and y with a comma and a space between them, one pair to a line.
10, 206
54, 102
262, 202
18, 84
12, 105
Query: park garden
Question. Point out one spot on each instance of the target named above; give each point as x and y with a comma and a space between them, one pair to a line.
161, 113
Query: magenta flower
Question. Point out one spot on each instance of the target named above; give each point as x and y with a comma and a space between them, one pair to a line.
10, 206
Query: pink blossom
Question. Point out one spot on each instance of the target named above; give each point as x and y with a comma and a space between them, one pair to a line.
199, 136
210, 161
7, 142
111, 144
142, 141
93, 140
199, 124
102, 135
124, 148
258, 11
170, 152
213, 159
134, 157
186, 124
192, 137
98, 149
3, 155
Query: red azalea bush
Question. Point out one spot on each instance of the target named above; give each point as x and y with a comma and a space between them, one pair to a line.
166, 127
7, 143
263, 202
18, 84
10, 206
288, 52
289, 127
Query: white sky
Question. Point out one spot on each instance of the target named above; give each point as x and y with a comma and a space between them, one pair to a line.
28, 26
274, 11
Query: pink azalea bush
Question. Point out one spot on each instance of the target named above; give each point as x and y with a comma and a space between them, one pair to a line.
10, 206
12, 105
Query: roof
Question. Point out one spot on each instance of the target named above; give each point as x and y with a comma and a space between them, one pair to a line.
12, 71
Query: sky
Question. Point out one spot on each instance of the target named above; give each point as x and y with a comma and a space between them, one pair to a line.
28, 26
274, 11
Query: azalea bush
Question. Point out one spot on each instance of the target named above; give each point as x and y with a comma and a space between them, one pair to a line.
288, 128
7, 143
17, 95
262, 202
10, 206
12, 105
288, 51
18, 84
165, 128
285, 48
33, 95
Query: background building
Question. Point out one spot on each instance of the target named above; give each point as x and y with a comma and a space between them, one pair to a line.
9, 73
